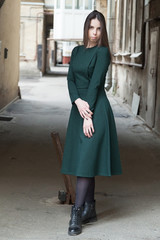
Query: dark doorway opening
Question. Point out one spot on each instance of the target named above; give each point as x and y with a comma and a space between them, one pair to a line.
48, 43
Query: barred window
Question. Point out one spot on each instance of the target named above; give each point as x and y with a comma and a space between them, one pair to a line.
129, 25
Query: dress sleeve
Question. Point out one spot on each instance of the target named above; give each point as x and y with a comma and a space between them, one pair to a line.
71, 79
98, 76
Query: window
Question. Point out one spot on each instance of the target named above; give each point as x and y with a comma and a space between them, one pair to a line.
79, 4
68, 4
58, 3
88, 4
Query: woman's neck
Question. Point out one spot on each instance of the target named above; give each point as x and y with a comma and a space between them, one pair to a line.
90, 45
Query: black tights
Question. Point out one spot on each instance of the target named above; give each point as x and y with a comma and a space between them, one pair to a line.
84, 190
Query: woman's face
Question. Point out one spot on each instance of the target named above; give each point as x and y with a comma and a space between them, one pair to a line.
94, 31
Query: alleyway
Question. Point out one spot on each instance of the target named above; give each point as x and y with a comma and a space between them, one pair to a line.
128, 206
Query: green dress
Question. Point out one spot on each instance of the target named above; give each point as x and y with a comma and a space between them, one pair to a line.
98, 155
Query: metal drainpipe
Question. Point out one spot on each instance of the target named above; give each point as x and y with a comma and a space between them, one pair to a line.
110, 31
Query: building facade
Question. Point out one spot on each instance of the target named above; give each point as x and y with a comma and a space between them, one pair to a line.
31, 31
36, 24
136, 57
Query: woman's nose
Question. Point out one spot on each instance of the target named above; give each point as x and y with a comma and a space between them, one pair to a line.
94, 31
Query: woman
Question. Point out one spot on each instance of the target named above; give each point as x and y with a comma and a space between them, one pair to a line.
91, 146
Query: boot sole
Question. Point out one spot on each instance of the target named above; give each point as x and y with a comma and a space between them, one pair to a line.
74, 234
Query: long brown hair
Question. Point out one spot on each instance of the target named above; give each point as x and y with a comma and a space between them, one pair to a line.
103, 41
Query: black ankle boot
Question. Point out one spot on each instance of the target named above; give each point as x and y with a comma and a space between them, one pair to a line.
89, 213
75, 224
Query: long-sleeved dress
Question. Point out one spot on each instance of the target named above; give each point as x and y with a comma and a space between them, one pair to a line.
98, 155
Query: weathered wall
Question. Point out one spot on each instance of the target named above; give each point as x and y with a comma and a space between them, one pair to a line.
101, 5
128, 76
9, 37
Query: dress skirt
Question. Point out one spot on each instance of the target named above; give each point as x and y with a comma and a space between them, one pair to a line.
98, 155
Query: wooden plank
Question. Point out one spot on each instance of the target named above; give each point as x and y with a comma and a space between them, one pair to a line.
67, 179
135, 103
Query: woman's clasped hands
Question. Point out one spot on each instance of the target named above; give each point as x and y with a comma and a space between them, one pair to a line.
86, 114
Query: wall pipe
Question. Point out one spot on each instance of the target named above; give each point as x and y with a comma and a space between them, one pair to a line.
30, 9
110, 31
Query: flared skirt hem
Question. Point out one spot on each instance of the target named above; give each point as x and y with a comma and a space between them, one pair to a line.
94, 175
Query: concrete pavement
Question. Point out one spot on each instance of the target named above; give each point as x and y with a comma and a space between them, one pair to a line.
128, 206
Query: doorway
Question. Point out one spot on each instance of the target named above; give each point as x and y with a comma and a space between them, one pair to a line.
48, 43
152, 78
